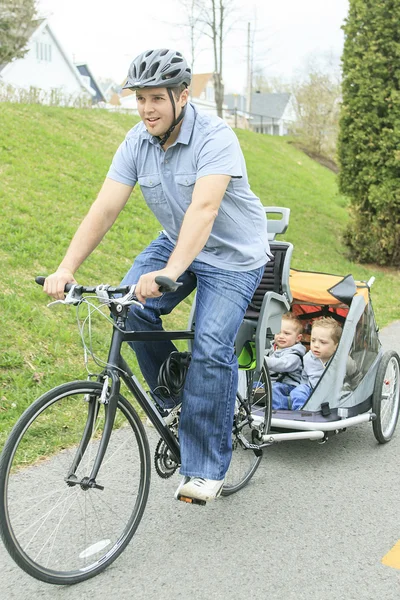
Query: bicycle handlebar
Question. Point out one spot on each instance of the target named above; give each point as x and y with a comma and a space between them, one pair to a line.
165, 284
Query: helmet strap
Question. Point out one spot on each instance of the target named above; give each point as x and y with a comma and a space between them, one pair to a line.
162, 140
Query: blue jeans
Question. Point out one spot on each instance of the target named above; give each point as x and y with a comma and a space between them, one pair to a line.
209, 393
289, 397
300, 395
280, 395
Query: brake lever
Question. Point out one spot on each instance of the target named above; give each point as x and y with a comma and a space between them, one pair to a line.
135, 302
55, 302
72, 297
128, 300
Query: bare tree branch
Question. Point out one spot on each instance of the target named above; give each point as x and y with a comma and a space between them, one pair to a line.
193, 11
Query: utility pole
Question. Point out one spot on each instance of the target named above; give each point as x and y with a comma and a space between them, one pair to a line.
249, 74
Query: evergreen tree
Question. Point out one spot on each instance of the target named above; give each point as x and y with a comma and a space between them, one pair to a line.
17, 21
369, 138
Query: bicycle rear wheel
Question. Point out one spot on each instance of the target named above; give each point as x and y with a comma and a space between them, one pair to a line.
251, 421
64, 533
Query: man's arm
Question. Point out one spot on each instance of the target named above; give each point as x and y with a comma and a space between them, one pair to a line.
195, 231
102, 214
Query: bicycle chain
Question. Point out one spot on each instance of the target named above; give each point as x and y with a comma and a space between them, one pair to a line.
164, 462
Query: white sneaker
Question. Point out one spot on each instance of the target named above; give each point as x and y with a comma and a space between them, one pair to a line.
182, 483
198, 488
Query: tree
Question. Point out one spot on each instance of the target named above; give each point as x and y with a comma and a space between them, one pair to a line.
269, 85
210, 18
17, 20
216, 21
369, 139
256, 80
317, 105
216, 25
194, 21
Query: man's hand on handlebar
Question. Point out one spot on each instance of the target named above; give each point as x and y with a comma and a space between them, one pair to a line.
55, 283
146, 287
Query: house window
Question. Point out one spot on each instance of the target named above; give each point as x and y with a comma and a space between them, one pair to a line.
43, 51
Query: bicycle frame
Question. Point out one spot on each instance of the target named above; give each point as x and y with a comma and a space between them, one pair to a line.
116, 369
71, 541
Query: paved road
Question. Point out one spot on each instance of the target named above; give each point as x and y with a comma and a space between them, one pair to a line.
314, 523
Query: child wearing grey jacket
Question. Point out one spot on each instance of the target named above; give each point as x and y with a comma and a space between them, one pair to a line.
285, 363
325, 336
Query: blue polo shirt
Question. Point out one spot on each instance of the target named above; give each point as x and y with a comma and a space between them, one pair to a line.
206, 145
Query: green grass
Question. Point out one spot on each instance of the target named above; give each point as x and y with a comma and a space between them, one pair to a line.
52, 164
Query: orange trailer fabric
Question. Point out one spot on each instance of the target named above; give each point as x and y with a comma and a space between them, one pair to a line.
312, 288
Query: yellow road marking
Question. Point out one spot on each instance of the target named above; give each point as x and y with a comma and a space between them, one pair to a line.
392, 558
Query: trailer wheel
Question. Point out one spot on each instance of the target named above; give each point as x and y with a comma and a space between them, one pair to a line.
386, 397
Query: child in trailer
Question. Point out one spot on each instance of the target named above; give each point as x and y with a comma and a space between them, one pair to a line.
285, 363
325, 336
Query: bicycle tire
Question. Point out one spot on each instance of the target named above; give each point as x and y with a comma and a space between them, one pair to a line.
386, 397
258, 402
83, 531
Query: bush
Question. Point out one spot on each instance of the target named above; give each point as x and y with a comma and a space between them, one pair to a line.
34, 95
369, 138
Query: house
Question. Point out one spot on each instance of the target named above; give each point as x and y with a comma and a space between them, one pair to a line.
236, 114
109, 88
269, 113
121, 100
202, 93
46, 67
91, 82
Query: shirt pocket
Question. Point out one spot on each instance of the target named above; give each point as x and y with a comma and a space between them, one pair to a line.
152, 189
185, 185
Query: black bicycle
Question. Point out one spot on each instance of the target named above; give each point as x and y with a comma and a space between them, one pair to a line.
75, 470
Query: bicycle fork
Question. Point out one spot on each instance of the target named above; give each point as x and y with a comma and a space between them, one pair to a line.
109, 400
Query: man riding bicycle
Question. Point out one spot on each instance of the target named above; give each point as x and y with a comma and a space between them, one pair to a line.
192, 174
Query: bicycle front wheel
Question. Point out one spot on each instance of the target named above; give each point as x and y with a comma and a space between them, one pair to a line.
251, 421
64, 532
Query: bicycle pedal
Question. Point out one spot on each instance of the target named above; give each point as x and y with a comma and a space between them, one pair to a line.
189, 500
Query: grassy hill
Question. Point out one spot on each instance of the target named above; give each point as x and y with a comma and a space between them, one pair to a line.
52, 164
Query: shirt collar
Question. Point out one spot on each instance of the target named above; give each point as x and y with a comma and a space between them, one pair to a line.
186, 128
187, 125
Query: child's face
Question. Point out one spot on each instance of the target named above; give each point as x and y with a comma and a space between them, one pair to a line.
288, 335
321, 343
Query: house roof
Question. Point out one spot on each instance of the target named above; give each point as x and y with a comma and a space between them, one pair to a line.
269, 105
43, 24
126, 91
84, 70
199, 82
235, 101
114, 100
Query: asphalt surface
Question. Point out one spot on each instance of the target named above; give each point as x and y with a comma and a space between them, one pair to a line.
314, 523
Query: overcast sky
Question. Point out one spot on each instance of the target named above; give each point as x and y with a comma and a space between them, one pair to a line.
108, 35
